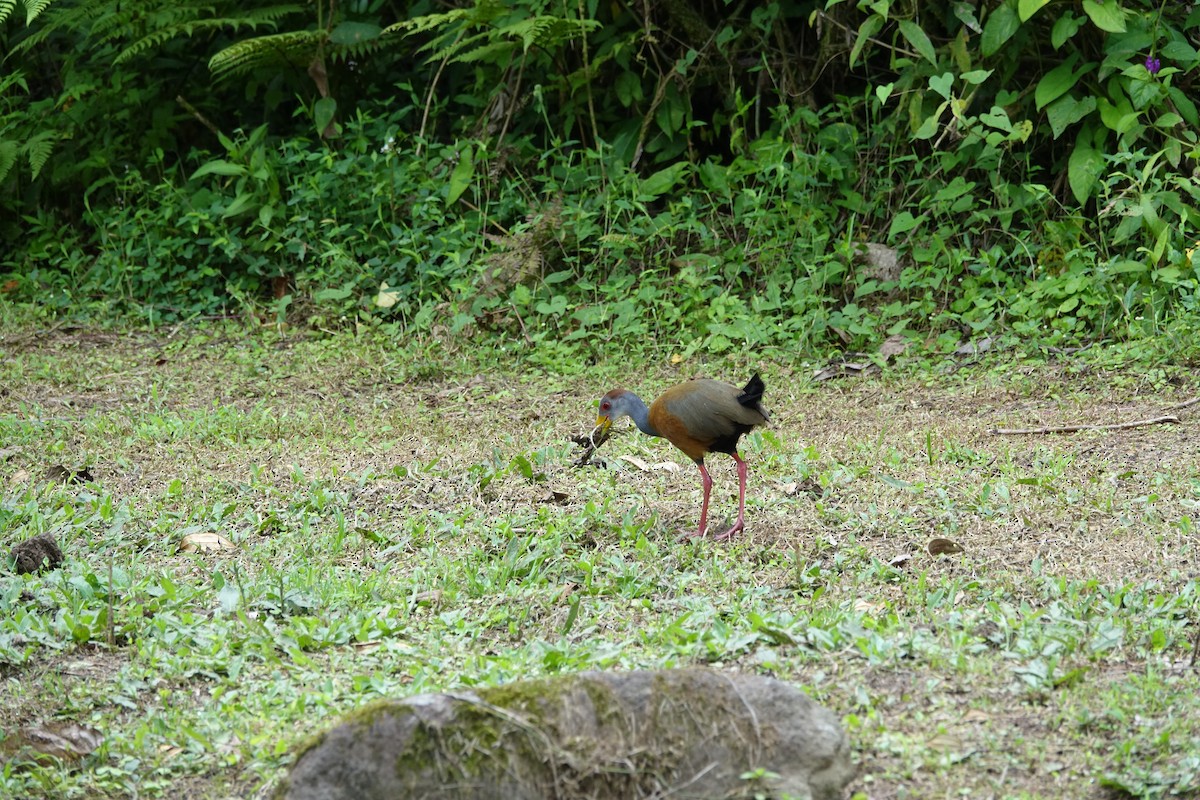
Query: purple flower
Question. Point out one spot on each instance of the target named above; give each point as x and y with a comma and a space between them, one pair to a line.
1153, 65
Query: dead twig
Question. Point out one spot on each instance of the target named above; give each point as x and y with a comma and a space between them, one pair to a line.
1184, 404
1167, 418
589, 442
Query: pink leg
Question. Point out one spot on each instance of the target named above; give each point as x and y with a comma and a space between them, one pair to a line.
706, 482
741, 517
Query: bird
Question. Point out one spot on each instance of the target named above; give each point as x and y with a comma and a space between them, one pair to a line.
699, 416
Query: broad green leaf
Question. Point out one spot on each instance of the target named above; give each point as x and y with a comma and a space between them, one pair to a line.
1001, 24
1057, 82
929, 125
1160, 247
1064, 28
662, 181
629, 88
977, 76
1084, 168
904, 222
1027, 8
1119, 117
1107, 15
1144, 90
243, 202
461, 175
884, 92
1066, 111
1181, 51
965, 12
869, 28
714, 177
219, 167
1184, 105
348, 33
323, 111
997, 117
942, 84
918, 39
339, 293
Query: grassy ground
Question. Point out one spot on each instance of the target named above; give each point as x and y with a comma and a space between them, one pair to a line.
406, 519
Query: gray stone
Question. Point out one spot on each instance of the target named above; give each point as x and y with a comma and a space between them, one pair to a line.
680, 733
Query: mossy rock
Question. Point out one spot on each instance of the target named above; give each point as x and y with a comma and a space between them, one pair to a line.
593, 736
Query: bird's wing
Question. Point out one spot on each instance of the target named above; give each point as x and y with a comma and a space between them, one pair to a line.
711, 411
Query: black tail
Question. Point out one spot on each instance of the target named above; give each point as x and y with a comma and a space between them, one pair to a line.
752, 394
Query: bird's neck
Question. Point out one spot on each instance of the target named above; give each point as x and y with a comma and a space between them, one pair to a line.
641, 416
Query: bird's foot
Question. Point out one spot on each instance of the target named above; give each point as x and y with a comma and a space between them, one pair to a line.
729, 534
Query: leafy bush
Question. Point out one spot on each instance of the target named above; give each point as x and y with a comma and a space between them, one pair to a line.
1025, 165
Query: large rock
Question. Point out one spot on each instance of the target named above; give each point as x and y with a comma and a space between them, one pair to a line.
683, 733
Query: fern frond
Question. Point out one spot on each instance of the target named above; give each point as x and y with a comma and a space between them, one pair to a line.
8, 157
35, 7
424, 24
6, 8
268, 17
547, 33
63, 17
249, 54
38, 150
356, 50
14, 78
491, 53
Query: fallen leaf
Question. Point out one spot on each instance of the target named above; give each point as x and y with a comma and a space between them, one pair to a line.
938, 547
900, 560
976, 715
676, 358
205, 542
557, 498
9, 286
20, 476
840, 369
637, 462
433, 597
894, 345
789, 488
387, 297
8, 452
68, 741
974, 348
863, 606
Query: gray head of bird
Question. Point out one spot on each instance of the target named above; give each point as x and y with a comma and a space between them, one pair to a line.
614, 405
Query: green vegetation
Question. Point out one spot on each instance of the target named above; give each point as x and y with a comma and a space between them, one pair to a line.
723, 175
408, 521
